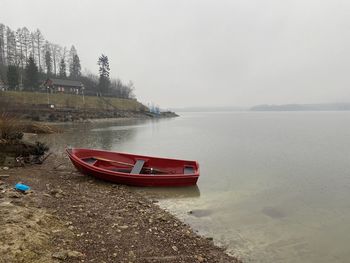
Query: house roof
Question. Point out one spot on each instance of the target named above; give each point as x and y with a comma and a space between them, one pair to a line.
65, 82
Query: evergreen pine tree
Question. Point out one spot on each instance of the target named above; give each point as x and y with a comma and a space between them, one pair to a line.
31, 75
75, 68
104, 81
48, 62
13, 77
63, 73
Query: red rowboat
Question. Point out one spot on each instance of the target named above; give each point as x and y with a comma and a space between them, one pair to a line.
133, 169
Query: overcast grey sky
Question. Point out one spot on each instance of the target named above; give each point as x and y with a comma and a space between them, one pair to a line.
205, 53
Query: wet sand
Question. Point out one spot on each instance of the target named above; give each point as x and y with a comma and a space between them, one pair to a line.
69, 217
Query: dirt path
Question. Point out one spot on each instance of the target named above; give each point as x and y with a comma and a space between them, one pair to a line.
69, 217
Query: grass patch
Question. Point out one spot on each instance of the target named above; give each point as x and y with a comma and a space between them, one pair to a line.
72, 101
9, 127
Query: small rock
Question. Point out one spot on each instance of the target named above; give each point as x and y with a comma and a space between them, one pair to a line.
62, 255
123, 227
56, 191
74, 254
2, 176
161, 217
5, 168
175, 248
132, 255
200, 259
14, 195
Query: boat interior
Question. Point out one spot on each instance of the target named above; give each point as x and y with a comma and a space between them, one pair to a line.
138, 166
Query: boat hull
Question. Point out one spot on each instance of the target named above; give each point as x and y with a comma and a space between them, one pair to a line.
105, 173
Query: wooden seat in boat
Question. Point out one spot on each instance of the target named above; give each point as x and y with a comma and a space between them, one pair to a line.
137, 167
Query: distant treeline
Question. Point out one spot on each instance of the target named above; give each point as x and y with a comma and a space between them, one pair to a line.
304, 107
27, 59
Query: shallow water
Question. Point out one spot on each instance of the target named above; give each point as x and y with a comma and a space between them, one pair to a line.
274, 186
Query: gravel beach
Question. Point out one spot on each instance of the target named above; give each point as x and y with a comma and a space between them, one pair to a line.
69, 217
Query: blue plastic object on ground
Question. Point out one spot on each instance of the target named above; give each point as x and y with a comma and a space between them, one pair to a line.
22, 187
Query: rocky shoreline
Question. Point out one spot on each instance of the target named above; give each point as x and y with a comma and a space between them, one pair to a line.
68, 217
62, 115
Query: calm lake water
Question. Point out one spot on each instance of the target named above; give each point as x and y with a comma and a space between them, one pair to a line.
274, 186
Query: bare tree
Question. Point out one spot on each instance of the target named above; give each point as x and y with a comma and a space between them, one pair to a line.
55, 51
39, 39
19, 48
72, 53
10, 47
32, 45
63, 53
2, 45
26, 42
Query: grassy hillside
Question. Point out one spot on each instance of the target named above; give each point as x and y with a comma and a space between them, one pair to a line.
71, 101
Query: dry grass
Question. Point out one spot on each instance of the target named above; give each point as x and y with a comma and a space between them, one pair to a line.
12, 128
72, 101
8, 126
38, 128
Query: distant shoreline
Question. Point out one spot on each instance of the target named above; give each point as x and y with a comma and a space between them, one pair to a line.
271, 107
303, 107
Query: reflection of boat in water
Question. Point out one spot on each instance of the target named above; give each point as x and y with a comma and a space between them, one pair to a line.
165, 192
133, 169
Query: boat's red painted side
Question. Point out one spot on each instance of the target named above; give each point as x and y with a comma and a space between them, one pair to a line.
175, 177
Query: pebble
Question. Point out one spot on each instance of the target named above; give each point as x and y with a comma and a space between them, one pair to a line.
5, 168
14, 195
2, 176
123, 227
64, 254
74, 254
175, 248
200, 259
